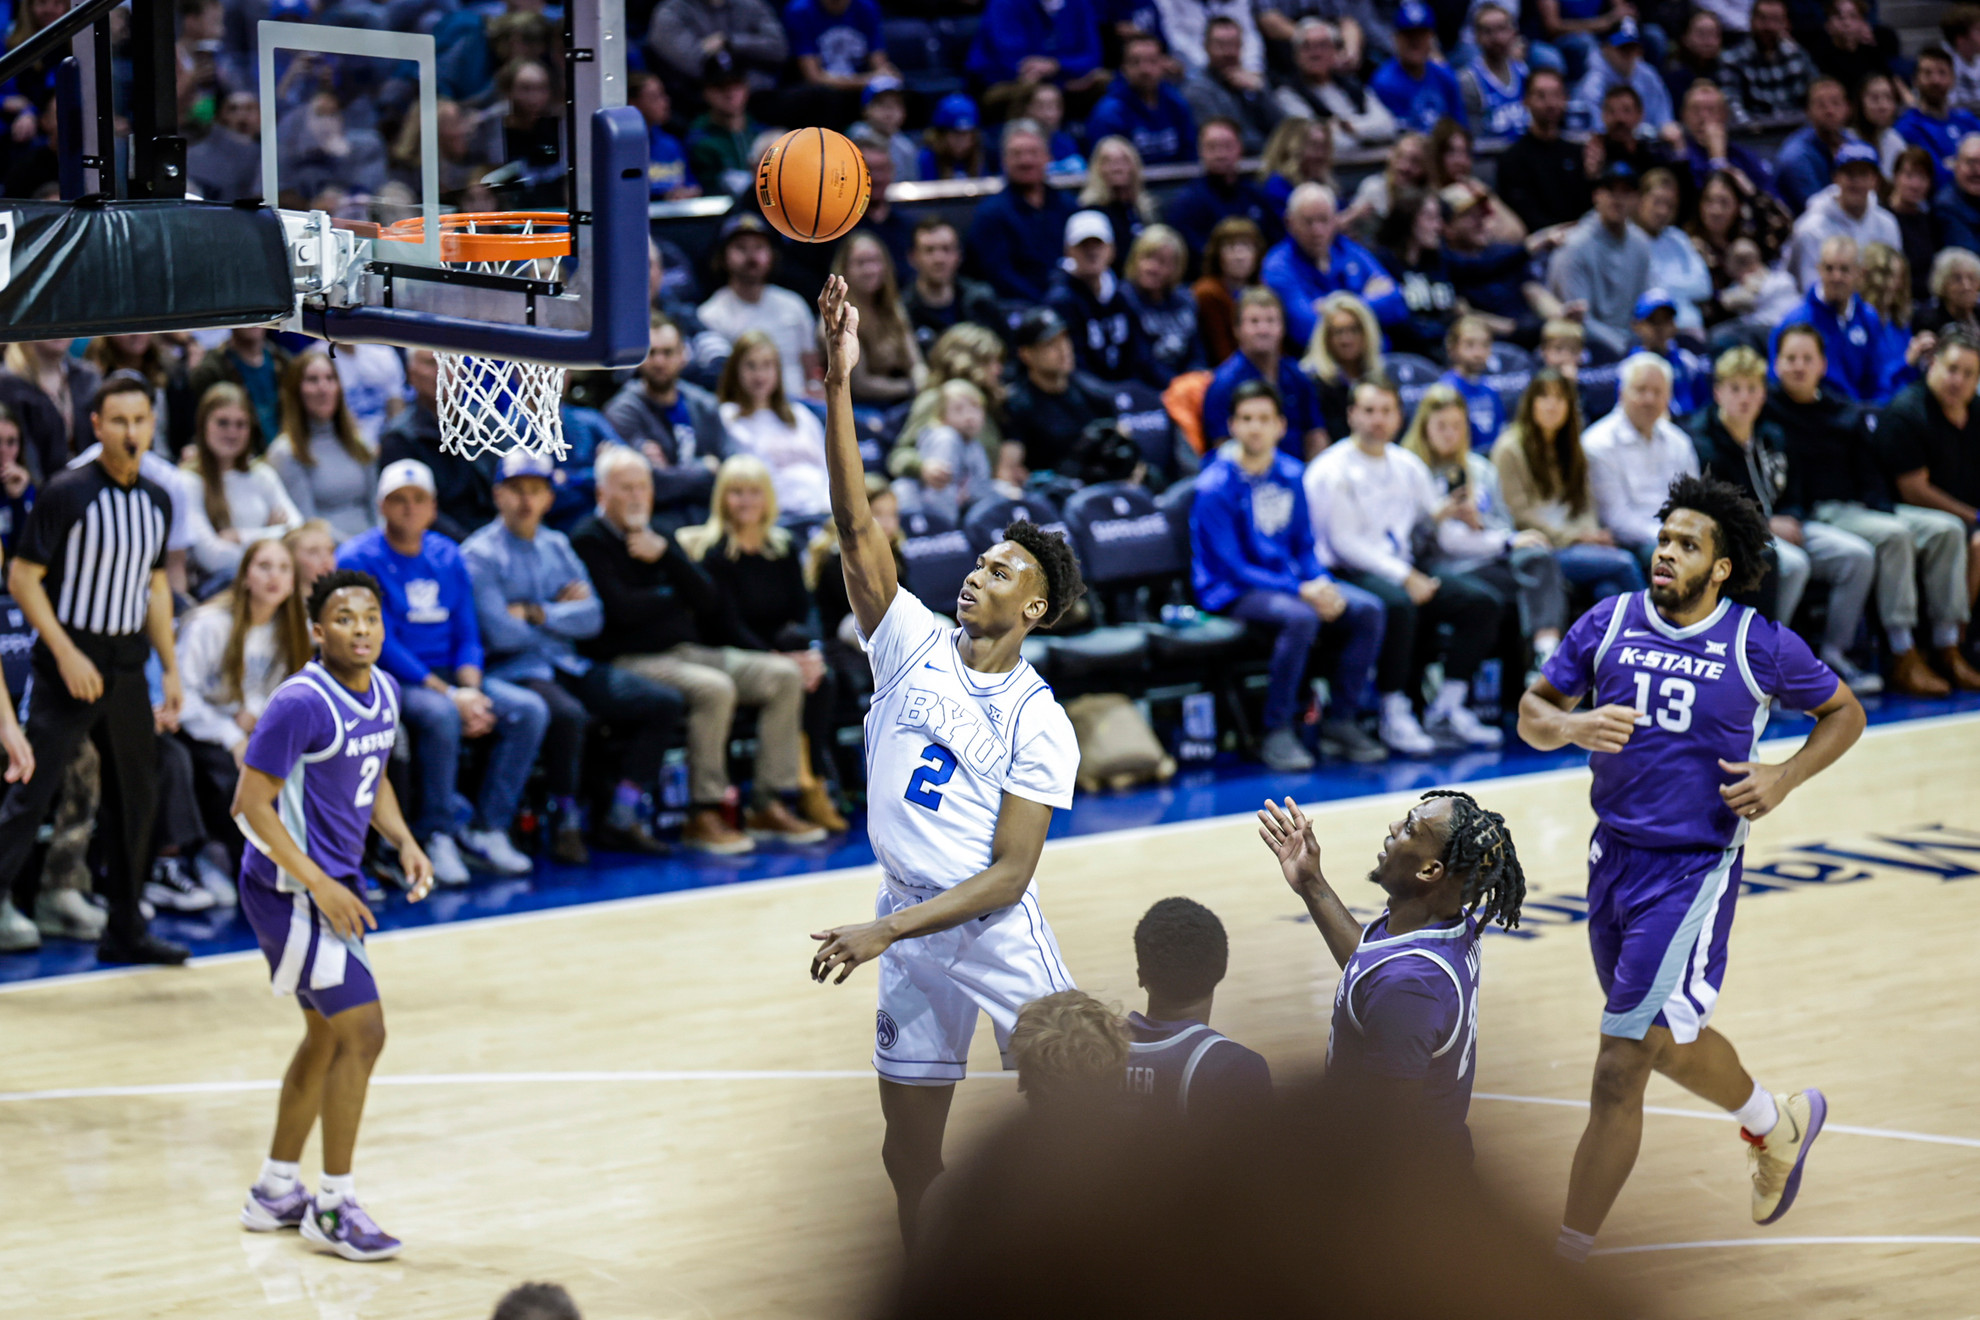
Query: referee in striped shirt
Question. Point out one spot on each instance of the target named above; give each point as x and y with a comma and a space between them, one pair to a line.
89, 573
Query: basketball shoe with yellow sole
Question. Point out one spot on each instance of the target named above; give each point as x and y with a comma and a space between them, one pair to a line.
1774, 1161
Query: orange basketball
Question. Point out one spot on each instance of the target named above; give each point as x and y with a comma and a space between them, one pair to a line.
813, 185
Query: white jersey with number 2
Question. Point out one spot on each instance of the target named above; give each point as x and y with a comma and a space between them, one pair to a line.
944, 743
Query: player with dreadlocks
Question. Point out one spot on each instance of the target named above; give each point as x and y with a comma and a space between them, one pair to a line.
1406, 1011
1680, 682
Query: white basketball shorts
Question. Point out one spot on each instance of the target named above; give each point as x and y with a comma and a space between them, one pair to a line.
932, 987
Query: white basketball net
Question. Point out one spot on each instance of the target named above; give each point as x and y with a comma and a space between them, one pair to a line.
492, 405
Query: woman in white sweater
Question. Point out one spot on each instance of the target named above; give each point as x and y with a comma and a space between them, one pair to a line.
242, 500
323, 460
761, 421
1477, 536
1370, 498
233, 651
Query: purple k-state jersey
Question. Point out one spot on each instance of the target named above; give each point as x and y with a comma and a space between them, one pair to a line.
329, 746
1406, 1009
1701, 696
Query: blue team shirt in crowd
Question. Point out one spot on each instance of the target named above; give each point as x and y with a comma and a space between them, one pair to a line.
1940, 137
1250, 531
1419, 103
1482, 407
1164, 134
666, 162
1065, 30
841, 42
1701, 695
1297, 397
1861, 365
1505, 103
1300, 284
429, 604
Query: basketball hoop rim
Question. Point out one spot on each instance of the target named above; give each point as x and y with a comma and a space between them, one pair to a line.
465, 236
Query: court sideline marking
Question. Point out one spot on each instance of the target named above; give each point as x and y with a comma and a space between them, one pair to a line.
1922, 1240
598, 1076
638, 901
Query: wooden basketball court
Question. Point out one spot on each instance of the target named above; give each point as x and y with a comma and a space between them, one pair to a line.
650, 1103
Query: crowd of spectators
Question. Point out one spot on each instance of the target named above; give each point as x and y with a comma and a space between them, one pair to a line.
1414, 428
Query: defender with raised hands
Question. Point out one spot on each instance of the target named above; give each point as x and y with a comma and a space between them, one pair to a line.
967, 754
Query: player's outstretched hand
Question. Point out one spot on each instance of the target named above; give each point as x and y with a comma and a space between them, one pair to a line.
838, 321
418, 868
1604, 729
846, 947
1760, 788
1289, 834
348, 915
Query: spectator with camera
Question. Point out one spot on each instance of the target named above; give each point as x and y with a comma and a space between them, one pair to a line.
1052, 414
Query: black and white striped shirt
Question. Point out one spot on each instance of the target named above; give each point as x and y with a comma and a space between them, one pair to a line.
100, 543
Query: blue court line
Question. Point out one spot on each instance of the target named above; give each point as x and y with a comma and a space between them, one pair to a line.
1226, 787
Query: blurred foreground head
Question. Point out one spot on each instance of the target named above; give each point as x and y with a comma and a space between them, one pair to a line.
1312, 1206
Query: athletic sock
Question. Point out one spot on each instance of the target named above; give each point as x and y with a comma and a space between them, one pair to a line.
1573, 1246
335, 1189
1759, 1114
1944, 635
1899, 639
277, 1175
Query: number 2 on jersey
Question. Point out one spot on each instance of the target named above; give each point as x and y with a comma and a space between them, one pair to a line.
1678, 693
367, 789
927, 778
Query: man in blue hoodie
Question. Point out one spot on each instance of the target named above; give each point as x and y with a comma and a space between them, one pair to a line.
1032, 41
433, 647
1253, 557
1145, 108
1864, 363
1017, 235
1314, 260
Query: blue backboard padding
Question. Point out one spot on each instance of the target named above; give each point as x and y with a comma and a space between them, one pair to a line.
617, 336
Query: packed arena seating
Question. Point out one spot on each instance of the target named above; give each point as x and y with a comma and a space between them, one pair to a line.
1530, 265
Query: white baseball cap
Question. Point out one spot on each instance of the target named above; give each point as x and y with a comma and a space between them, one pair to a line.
405, 472
1088, 224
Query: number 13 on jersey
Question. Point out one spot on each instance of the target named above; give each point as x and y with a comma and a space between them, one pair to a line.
1678, 694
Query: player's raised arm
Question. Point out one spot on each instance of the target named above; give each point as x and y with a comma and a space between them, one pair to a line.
869, 560
1289, 834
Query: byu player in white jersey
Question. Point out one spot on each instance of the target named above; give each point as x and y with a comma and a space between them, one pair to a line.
967, 753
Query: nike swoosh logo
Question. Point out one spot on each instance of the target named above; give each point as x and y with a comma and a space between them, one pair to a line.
930, 665
349, 725
1634, 632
